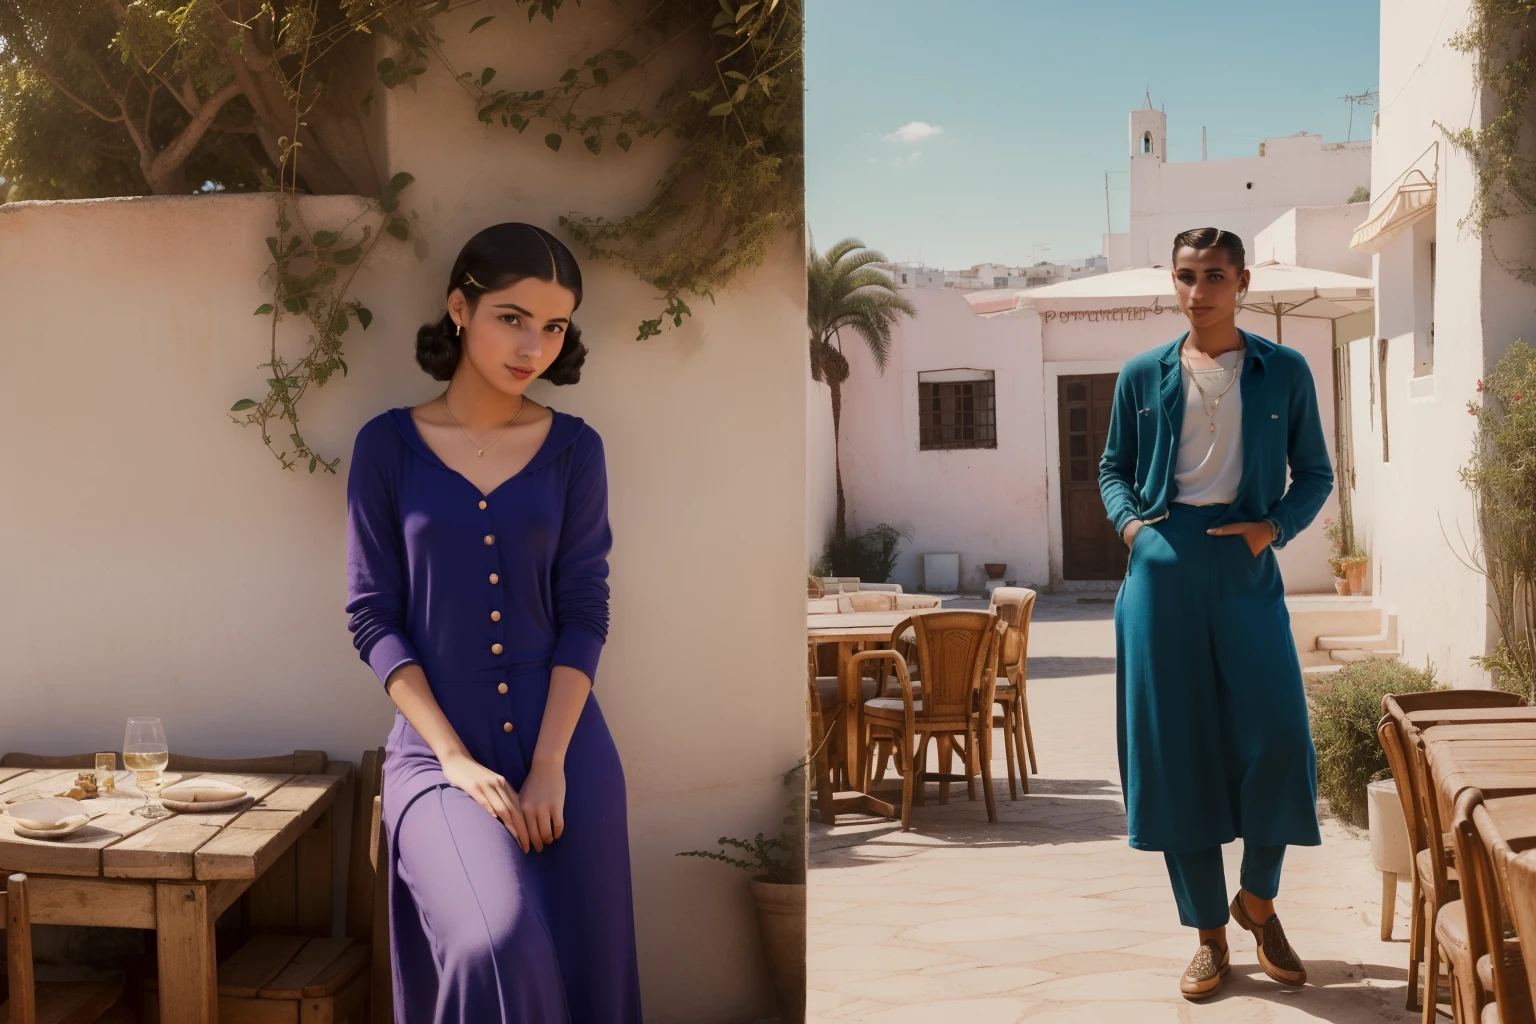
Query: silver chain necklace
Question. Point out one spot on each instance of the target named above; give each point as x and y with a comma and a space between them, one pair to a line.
479, 451
1216, 397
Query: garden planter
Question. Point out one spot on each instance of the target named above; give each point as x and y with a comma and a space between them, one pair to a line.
1341, 586
781, 920
995, 570
1354, 572
1390, 851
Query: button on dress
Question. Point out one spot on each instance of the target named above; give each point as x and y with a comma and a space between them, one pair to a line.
487, 593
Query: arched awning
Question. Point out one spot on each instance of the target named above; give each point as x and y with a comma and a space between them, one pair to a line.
1410, 198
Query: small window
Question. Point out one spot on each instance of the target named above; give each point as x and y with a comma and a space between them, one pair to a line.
903, 278
956, 413
1146, 142
1250, 185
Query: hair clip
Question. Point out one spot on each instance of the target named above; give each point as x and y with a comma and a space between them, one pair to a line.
470, 278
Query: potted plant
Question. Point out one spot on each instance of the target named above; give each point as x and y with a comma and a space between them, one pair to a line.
777, 884
1354, 565
1334, 531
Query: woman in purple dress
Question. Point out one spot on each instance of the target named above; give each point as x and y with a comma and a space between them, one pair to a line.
477, 555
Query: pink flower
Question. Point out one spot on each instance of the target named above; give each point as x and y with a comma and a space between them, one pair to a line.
1479, 385
1471, 412
1518, 396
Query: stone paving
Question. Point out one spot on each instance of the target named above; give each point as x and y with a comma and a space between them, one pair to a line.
1048, 916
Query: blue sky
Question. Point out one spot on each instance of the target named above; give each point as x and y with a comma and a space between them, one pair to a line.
1031, 102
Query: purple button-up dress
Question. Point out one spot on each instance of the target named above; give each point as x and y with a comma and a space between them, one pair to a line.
487, 592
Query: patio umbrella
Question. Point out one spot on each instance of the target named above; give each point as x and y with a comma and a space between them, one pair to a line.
1279, 289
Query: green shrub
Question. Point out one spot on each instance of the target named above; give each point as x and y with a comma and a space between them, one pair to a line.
1345, 710
871, 555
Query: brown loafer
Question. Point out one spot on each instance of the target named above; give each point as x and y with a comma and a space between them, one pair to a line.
1203, 975
1276, 956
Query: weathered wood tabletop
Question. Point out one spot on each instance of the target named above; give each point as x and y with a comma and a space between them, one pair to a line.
1470, 716
1497, 758
177, 874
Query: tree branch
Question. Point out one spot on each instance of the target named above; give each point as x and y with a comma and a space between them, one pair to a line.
82, 103
181, 147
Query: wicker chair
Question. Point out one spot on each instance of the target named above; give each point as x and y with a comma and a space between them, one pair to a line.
1016, 606
957, 653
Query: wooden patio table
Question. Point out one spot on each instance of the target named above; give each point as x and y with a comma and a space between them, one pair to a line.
1498, 758
1470, 716
176, 874
851, 631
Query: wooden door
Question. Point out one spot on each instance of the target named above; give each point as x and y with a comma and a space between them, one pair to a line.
1090, 549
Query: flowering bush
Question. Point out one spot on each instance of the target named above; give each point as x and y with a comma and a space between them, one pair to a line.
1502, 473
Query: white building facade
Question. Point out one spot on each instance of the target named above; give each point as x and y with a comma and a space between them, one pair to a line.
1242, 195
1409, 392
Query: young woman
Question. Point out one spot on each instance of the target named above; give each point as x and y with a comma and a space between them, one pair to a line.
477, 560
1212, 721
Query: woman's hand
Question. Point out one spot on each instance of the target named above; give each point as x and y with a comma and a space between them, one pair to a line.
490, 791
1258, 535
543, 800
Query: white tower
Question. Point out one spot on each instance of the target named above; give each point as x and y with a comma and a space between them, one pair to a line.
1149, 134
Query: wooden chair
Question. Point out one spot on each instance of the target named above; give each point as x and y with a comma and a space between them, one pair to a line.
1495, 990
1015, 606
1520, 887
289, 978
820, 761
1390, 731
957, 653
49, 1003
814, 588
382, 999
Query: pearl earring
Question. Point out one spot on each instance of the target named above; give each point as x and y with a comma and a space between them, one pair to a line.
458, 330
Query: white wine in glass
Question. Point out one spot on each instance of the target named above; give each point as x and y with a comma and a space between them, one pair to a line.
146, 754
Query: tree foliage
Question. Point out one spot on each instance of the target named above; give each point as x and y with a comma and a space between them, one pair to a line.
846, 291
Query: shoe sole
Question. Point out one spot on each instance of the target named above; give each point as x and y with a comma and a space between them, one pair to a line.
1206, 993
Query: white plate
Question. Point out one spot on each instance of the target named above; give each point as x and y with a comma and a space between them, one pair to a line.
53, 808
189, 807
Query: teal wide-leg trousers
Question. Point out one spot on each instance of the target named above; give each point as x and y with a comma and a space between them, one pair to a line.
1212, 721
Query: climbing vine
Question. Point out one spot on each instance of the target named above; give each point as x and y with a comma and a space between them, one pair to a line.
1501, 39
736, 183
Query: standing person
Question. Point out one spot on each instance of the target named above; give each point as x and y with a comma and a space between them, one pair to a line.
477, 555
1212, 720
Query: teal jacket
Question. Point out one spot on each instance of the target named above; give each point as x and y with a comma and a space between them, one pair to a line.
1281, 430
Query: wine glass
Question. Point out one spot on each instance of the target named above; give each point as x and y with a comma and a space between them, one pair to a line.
146, 754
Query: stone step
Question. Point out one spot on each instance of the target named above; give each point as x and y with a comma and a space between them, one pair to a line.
1316, 615
1377, 642
1346, 655
1313, 659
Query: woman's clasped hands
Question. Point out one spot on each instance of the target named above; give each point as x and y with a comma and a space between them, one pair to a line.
535, 817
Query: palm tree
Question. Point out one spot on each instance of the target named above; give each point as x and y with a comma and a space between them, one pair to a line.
844, 290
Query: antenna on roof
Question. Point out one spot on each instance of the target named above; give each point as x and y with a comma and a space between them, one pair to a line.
1147, 103
1364, 99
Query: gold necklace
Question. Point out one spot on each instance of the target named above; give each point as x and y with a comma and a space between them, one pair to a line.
1211, 407
478, 450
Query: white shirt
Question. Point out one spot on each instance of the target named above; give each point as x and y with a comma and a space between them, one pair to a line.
1209, 467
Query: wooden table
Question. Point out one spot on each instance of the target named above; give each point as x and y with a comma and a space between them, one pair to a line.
1470, 716
1498, 758
175, 875
850, 631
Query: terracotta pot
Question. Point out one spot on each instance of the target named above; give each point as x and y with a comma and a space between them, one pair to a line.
995, 570
781, 920
1354, 572
1341, 586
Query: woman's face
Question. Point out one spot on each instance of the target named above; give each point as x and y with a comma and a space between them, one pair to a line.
1207, 285
515, 332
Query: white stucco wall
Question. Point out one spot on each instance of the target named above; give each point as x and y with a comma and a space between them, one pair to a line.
1415, 516
1243, 195
158, 561
986, 504
1316, 237
1004, 504
820, 478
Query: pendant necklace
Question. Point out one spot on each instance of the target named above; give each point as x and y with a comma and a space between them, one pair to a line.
1215, 397
479, 451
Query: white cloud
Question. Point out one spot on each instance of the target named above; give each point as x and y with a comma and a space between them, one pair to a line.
914, 131
910, 158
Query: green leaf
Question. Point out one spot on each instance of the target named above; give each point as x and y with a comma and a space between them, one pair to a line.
367, 102
736, 75
594, 143
600, 76
343, 364
721, 109
272, 245
347, 256
295, 305
242, 405
724, 18
487, 75
298, 442
553, 140
623, 141
387, 66
263, 309
625, 58
294, 243
312, 463
483, 22
399, 228
399, 182
324, 239
389, 201
364, 318
570, 75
